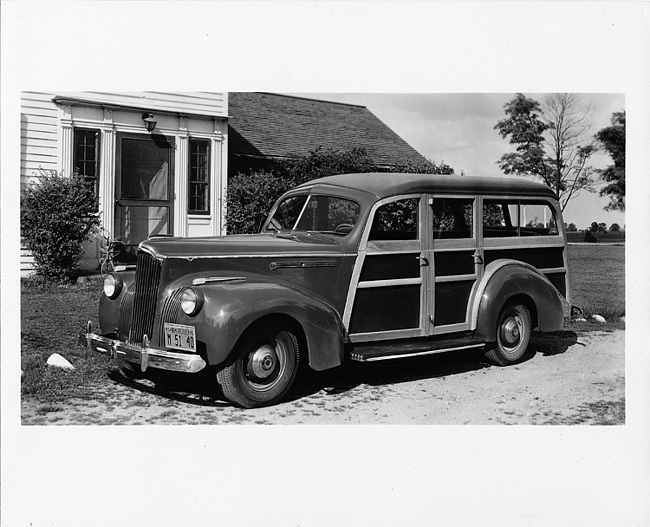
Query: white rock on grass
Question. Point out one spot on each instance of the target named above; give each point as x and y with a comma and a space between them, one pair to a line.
60, 362
581, 319
599, 319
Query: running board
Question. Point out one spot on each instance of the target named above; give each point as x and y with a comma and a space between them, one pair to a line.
386, 350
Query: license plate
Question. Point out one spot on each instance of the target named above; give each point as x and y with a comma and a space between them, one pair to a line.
180, 337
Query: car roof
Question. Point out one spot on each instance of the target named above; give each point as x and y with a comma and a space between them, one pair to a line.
386, 184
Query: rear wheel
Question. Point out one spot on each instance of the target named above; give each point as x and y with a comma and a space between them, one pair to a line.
513, 335
264, 369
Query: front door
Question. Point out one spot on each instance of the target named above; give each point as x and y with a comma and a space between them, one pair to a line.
457, 261
143, 189
390, 283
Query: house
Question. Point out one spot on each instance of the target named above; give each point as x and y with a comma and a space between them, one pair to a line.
266, 127
159, 162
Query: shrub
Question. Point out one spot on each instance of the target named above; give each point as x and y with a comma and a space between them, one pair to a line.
590, 237
57, 215
250, 198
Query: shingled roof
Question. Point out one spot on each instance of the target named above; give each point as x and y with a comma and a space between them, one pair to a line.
277, 126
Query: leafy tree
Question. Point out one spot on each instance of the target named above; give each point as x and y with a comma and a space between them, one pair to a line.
612, 139
56, 216
552, 142
594, 226
614, 227
323, 162
602, 227
572, 227
525, 128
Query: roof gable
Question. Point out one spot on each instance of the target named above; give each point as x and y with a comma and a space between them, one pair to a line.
271, 125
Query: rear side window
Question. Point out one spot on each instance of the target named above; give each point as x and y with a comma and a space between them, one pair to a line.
397, 220
537, 219
507, 218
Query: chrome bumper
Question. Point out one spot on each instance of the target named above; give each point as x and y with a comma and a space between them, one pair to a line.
143, 355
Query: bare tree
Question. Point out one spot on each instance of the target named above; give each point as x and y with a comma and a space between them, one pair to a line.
569, 145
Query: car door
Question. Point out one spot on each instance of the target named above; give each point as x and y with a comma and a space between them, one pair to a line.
457, 261
388, 290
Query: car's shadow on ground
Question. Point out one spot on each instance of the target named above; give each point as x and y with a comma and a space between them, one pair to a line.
201, 389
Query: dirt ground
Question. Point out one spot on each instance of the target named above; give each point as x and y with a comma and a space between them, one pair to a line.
574, 377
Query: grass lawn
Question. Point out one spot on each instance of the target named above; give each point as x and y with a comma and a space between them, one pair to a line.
52, 317
598, 279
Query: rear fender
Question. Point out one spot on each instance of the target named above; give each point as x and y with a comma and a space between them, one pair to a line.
230, 308
503, 280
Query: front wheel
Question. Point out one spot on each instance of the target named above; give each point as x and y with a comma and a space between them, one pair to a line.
264, 368
513, 335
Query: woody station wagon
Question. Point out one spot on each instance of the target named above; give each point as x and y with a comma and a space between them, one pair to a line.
360, 267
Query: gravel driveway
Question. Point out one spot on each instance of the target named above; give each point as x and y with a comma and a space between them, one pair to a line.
574, 377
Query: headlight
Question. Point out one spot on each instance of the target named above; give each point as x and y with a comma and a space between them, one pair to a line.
113, 286
191, 302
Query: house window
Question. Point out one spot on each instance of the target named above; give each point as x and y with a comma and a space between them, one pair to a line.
199, 177
86, 156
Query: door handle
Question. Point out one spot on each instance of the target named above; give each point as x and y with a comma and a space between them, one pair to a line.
424, 261
478, 259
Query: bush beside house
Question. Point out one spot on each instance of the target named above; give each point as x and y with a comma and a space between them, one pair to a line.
57, 215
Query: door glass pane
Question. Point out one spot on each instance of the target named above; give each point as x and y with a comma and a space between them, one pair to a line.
452, 218
137, 223
145, 170
499, 218
397, 220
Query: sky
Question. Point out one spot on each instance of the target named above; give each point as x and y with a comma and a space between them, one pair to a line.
458, 129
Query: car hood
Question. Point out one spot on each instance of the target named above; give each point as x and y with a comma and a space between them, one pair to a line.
243, 245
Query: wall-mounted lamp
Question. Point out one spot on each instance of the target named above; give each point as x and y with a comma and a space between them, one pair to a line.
149, 121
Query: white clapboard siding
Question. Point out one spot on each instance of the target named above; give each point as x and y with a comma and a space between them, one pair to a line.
38, 133
26, 262
196, 103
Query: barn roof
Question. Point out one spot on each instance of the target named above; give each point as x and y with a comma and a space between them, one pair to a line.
277, 126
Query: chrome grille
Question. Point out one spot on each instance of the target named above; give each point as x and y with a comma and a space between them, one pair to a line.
170, 311
147, 278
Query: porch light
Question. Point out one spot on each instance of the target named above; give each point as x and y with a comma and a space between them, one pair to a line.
149, 121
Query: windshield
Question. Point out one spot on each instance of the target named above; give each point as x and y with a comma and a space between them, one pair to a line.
313, 213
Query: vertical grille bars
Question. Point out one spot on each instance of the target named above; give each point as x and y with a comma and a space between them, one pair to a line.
147, 278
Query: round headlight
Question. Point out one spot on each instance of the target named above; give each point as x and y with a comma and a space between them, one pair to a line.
191, 302
112, 286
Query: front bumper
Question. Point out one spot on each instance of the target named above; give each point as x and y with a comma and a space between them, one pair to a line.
143, 355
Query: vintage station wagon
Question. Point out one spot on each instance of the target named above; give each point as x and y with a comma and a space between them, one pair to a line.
360, 267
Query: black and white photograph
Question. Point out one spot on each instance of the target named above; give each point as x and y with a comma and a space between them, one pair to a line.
411, 219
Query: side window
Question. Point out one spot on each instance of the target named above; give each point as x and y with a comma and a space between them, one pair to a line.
537, 219
505, 218
198, 198
397, 220
452, 218
499, 218
86, 156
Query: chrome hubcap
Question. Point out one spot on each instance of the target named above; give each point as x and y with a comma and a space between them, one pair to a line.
262, 363
511, 331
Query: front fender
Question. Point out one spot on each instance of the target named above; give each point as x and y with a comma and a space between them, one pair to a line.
109, 310
505, 279
230, 308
